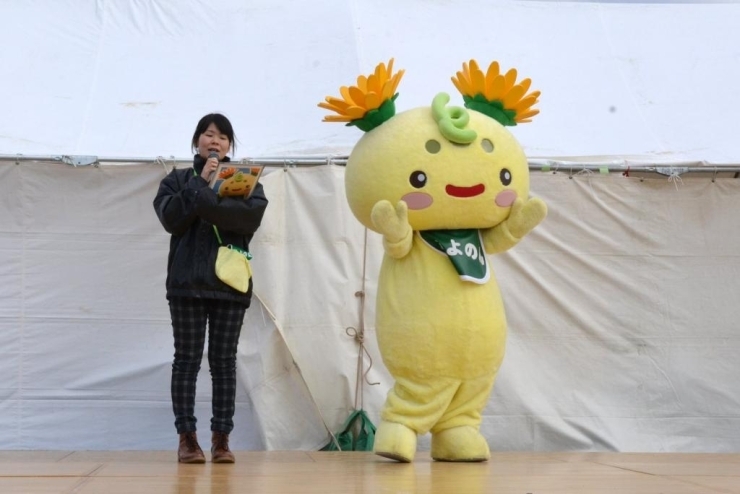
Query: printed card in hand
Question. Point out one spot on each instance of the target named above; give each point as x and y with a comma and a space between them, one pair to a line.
232, 179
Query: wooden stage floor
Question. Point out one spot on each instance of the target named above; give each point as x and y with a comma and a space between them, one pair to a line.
157, 472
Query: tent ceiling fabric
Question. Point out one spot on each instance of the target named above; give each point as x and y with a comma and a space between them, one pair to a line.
115, 78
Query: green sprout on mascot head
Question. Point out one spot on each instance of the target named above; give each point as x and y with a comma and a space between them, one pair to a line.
444, 186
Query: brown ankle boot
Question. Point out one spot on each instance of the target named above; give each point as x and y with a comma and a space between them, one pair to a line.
220, 452
189, 450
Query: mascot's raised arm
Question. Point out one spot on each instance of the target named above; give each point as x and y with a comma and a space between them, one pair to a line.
444, 185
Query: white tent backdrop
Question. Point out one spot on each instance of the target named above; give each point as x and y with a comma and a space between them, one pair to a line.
622, 306
622, 310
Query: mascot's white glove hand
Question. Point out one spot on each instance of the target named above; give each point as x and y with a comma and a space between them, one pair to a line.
392, 223
524, 216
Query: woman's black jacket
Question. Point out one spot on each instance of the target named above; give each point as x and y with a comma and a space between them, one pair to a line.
188, 209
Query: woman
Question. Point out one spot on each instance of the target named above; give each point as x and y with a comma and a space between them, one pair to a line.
189, 209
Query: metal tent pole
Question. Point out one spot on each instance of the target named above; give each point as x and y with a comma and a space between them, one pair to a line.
537, 164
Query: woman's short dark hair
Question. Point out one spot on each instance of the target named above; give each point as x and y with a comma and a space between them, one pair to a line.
223, 125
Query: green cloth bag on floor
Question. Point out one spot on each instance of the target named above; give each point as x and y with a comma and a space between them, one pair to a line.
358, 434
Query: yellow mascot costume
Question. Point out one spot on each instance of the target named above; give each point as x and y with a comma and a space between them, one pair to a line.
444, 186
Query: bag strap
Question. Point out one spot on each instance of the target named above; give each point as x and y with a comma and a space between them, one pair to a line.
218, 237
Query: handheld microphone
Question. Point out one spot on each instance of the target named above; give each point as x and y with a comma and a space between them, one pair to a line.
212, 154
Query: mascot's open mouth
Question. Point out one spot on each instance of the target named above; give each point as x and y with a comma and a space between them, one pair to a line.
473, 191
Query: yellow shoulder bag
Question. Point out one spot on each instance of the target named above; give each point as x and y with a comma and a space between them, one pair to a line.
232, 263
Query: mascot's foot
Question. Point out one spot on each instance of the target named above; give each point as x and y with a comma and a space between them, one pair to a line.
463, 443
395, 441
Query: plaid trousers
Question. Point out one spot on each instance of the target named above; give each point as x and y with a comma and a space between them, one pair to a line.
189, 318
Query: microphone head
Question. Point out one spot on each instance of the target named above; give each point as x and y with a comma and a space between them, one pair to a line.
213, 154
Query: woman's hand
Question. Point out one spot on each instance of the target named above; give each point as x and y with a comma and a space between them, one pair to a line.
209, 168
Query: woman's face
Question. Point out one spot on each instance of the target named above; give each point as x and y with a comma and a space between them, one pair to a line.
213, 140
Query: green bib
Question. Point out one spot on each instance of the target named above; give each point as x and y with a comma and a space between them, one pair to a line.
464, 248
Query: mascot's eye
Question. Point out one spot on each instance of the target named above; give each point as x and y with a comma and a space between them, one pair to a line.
418, 179
505, 176
487, 145
433, 146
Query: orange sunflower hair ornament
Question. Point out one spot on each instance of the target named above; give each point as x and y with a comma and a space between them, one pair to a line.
495, 94
227, 172
369, 103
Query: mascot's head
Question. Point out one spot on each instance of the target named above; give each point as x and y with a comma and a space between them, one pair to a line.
454, 167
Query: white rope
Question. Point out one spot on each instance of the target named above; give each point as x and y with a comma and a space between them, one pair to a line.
161, 161
298, 368
675, 177
585, 172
